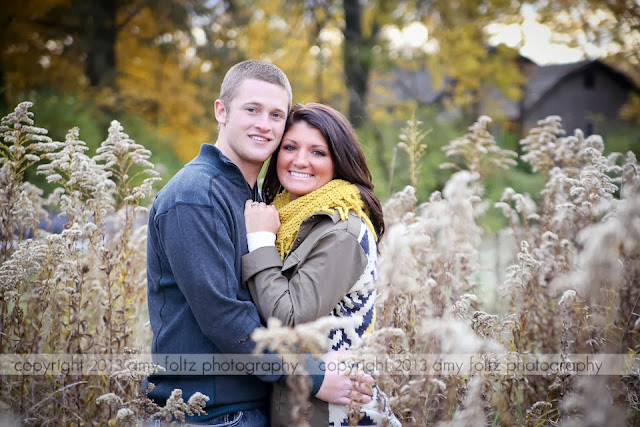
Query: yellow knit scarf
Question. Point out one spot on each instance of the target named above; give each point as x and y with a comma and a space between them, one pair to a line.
337, 195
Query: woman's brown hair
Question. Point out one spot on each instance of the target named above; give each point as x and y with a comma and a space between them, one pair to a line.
349, 162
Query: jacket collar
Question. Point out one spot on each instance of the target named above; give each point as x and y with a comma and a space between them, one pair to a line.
308, 223
211, 155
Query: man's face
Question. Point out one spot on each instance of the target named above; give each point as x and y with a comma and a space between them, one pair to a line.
251, 127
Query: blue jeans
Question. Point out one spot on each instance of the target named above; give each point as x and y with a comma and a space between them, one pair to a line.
250, 418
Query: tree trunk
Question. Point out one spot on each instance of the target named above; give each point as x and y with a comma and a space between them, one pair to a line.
4, 99
356, 63
101, 36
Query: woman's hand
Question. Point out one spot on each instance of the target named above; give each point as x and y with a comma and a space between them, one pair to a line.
342, 387
260, 217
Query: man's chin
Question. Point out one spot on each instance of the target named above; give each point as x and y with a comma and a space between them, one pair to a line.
263, 156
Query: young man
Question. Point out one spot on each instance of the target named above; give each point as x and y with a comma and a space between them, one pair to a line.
196, 239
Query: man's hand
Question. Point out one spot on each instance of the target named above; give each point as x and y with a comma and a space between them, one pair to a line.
343, 387
261, 217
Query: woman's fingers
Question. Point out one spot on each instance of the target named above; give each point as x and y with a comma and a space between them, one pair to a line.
357, 394
358, 390
259, 216
252, 204
363, 384
355, 397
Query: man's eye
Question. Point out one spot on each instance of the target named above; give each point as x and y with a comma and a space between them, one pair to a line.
251, 110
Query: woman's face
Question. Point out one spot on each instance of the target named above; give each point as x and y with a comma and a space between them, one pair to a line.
304, 160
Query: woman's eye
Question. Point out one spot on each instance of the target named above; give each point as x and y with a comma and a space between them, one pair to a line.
288, 147
319, 153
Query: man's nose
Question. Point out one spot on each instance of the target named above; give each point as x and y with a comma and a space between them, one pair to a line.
263, 122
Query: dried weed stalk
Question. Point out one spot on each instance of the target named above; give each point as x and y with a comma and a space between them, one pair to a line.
411, 142
79, 292
573, 289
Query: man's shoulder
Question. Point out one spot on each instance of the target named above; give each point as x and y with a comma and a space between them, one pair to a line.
192, 178
207, 180
193, 184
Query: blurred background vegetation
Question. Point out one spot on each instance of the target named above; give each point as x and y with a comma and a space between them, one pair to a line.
156, 66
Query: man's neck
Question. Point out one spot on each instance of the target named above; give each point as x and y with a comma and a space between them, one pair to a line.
249, 170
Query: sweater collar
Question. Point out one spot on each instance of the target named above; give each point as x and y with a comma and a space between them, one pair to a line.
212, 156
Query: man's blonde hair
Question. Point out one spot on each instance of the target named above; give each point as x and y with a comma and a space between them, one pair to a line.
256, 70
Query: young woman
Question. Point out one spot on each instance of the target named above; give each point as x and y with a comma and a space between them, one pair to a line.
313, 251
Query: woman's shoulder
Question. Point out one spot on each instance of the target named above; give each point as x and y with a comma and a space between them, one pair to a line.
324, 223
331, 227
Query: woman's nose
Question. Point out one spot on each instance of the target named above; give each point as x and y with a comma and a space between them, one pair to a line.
302, 158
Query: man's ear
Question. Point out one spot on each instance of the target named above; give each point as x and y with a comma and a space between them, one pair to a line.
221, 112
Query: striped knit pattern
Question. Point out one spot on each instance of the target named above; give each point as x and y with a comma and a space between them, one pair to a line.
360, 300
359, 304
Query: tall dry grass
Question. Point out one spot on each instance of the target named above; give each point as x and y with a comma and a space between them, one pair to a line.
81, 291
573, 287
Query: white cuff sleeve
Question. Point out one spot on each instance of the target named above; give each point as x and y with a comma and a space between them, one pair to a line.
260, 239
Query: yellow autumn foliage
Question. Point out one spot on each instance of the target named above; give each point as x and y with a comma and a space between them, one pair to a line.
158, 82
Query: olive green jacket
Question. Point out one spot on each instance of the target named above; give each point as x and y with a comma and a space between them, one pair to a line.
323, 264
